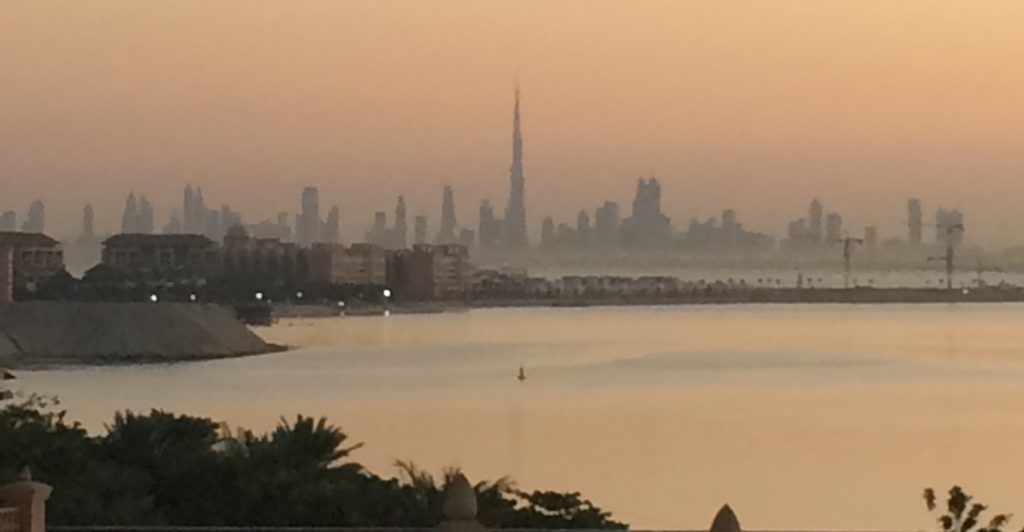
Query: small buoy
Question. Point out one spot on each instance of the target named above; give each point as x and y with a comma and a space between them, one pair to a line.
522, 374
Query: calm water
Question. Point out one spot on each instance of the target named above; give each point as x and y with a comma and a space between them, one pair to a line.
799, 416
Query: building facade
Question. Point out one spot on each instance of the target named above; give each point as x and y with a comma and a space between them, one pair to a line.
263, 260
360, 264
6, 275
431, 272
171, 257
35, 257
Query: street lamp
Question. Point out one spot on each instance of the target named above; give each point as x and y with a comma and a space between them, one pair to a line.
259, 296
154, 298
193, 298
387, 293
299, 294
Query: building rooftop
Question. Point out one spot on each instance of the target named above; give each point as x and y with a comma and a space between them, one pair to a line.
158, 240
17, 239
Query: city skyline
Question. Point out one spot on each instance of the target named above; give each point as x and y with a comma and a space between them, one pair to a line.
647, 227
764, 126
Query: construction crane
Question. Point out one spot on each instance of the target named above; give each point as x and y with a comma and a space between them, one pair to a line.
848, 243
949, 257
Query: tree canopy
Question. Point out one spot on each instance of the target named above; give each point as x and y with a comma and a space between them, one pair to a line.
160, 468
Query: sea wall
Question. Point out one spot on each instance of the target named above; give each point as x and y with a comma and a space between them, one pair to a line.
53, 333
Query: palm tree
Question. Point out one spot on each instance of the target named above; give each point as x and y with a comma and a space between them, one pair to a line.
961, 515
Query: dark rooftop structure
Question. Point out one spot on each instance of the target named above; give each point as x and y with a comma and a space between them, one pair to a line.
130, 239
26, 240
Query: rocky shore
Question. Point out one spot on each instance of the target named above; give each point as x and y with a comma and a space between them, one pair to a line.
35, 334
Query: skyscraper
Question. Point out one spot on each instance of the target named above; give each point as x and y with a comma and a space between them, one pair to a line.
814, 219
515, 213
283, 229
174, 224
378, 235
228, 219
914, 219
130, 215
420, 230
583, 229
466, 238
871, 238
489, 231
648, 226
401, 231
447, 235
307, 230
606, 224
332, 227
188, 211
9, 221
547, 233
949, 225
199, 217
146, 223
36, 220
833, 228
88, 217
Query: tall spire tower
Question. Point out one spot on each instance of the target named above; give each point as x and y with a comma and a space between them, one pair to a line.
515, 212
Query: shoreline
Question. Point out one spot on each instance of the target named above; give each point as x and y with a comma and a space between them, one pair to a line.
793, 296
144, 360
770, 296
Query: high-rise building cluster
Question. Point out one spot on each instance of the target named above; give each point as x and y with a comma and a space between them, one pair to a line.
138, 216
724, 235
491, 232
645, 228
395, 236
35, 221
815, 231
195, 218
810, 234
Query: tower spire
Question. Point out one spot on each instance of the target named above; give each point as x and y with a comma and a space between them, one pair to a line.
515, 212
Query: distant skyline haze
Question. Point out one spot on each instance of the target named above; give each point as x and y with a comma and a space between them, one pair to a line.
759, 106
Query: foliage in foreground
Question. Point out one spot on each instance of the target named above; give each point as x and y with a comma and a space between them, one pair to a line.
165, 469
963, 515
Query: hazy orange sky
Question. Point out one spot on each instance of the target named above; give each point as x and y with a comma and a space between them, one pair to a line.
755, 105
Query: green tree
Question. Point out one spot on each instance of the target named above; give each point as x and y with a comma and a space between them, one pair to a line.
165, 469
176, 455
294, 474
33, 434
